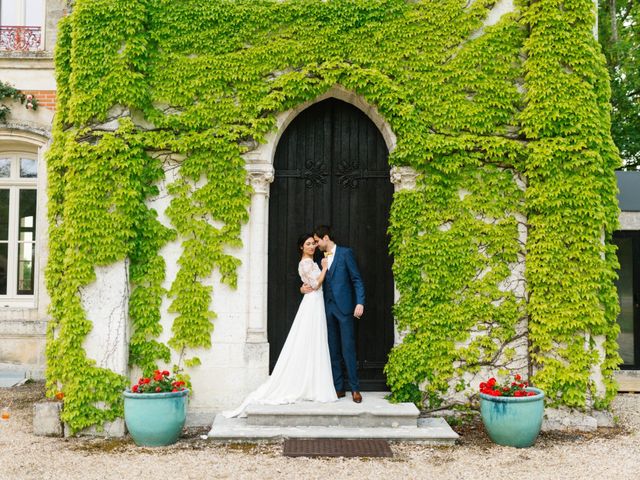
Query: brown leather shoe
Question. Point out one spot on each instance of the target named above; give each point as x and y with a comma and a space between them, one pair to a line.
356, 397
340, 394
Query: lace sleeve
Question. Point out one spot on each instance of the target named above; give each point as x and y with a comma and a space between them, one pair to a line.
309, 272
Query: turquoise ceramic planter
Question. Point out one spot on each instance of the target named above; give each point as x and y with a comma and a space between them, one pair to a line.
155, 419
513, 421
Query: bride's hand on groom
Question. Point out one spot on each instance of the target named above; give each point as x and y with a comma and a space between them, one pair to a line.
358, 311
306, 288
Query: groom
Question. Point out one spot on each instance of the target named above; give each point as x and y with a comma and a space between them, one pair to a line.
343, 300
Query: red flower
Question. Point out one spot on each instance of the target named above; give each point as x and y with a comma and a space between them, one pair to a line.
508, 388
158, 382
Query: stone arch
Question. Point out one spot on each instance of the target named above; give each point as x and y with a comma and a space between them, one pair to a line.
265, 152
260, 173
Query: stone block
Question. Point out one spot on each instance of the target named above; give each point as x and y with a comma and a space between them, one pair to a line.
46, 419
113, 429
604, 418
560, 419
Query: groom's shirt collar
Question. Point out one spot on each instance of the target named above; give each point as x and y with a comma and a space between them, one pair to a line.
332, 256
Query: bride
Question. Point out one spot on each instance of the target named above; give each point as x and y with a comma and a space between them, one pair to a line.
303, 369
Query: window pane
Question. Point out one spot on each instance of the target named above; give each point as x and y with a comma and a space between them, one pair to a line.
34, 13
4, 249
5, 167
4, 214
26, 253
27, 208
26, 249
8, 12
28, 168
625, 294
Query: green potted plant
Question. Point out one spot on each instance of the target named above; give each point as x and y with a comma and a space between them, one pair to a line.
155, 409
512, 411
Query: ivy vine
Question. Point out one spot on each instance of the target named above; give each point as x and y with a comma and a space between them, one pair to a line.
507, 125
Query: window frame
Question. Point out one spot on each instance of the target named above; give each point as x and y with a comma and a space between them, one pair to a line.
14, 183
634, 236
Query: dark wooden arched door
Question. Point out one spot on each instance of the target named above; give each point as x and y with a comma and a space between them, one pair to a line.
331, 168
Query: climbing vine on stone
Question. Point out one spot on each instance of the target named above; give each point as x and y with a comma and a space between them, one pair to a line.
481, 112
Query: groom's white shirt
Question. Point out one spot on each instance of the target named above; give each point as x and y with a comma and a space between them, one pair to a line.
332, 256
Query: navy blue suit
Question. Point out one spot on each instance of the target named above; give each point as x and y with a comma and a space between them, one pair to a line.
343, 290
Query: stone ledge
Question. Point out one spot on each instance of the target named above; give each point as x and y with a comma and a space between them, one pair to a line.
433, 431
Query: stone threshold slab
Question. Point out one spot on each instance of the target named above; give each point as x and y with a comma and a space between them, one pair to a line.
628, 381
373, 403
374, 411
432, 431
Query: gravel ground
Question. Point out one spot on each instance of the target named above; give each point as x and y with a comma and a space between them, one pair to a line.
607, 454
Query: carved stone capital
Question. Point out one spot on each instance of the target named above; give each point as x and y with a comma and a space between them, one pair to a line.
260, 180
404, 178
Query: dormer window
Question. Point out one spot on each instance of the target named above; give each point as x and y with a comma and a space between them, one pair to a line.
21, 25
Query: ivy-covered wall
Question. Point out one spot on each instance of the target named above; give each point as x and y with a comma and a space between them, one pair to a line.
502, 253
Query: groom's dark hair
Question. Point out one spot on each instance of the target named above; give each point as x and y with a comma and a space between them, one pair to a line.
322, 230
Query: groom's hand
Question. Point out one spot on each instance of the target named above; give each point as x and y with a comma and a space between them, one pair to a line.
359, 310
306, 288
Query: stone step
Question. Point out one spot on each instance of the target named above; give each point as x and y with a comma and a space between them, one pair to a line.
374, 418
430, 431
10, 378
374, 411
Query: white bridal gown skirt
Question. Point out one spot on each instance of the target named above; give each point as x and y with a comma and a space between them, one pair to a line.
303, 370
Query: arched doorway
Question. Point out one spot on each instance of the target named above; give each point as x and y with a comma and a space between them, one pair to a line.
331, 168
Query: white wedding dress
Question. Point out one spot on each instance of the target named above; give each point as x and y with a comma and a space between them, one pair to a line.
303, 369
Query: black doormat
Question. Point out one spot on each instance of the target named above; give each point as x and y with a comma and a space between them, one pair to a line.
331, 447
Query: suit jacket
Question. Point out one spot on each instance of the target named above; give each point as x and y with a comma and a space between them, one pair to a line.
343, 281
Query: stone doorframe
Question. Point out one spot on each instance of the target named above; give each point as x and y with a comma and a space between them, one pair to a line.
260, 174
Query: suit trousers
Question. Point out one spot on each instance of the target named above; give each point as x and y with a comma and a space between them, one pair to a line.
342, 346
